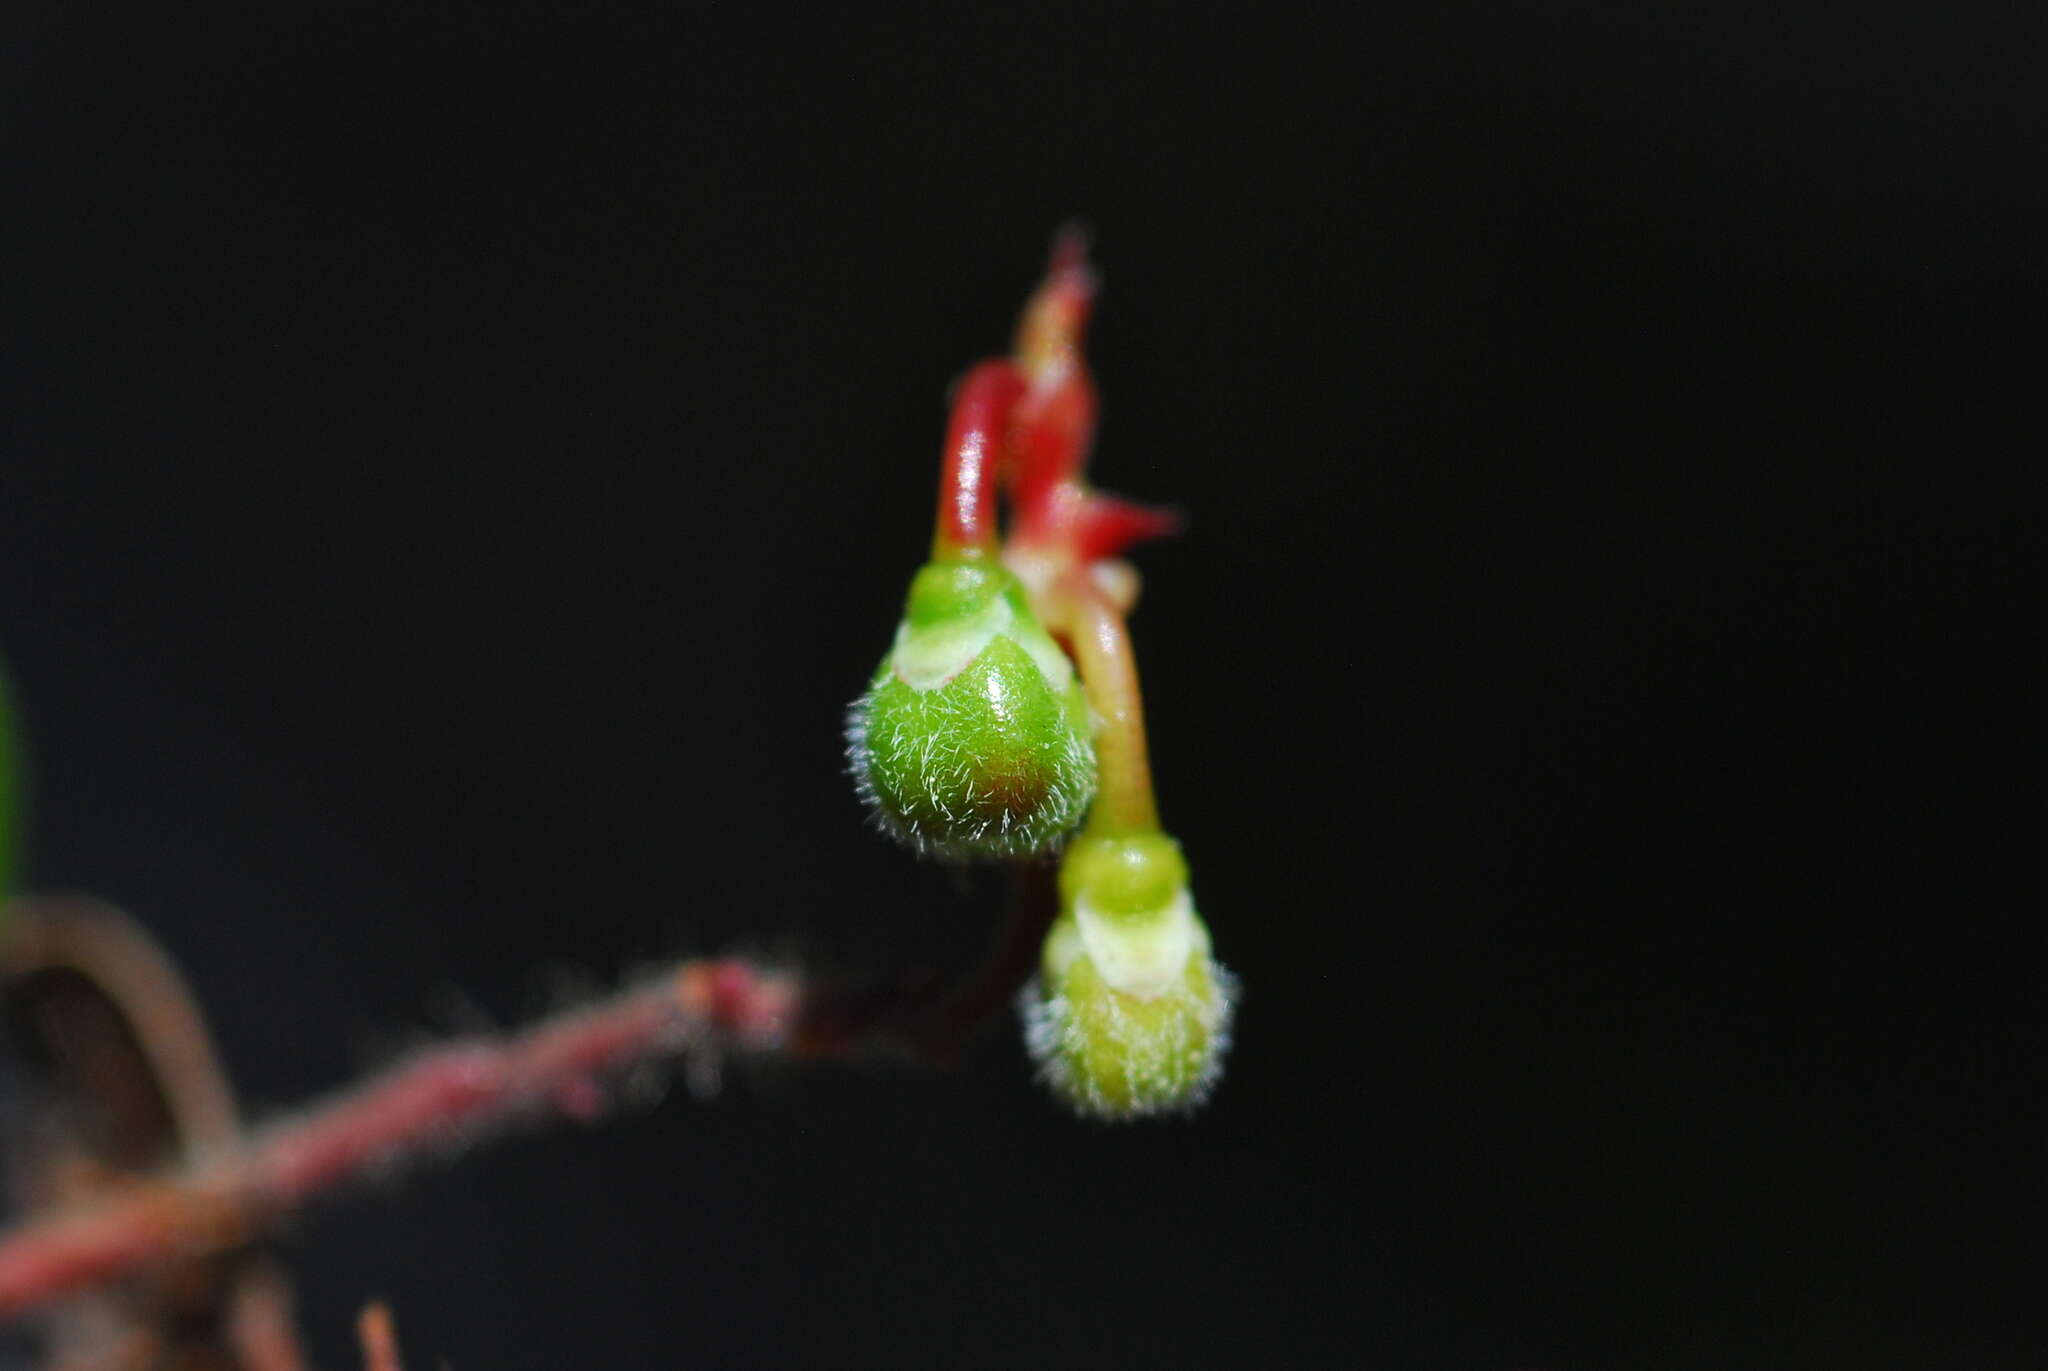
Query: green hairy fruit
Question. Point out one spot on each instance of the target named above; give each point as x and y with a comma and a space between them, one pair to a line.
1130, 1015
972, 740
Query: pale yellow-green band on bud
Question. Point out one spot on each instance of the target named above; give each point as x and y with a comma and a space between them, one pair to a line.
972, 740
1131, 1014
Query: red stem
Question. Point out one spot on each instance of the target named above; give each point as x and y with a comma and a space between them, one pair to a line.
977, 446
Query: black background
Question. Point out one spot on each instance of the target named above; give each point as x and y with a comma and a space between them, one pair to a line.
455, 462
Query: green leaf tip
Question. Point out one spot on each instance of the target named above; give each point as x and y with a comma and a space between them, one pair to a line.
972, 741
1130, 1016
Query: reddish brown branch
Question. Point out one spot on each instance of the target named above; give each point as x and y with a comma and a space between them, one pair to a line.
444, 1095
75, 933
230, 1191
379, 1338
259, 1322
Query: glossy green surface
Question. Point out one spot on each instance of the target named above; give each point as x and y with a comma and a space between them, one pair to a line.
1131, 874
993, 763
972, 741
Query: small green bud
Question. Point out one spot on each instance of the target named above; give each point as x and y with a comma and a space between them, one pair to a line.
973, 738
1131, 1014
